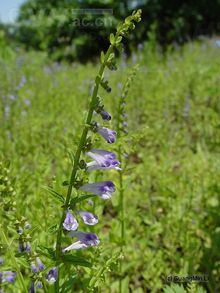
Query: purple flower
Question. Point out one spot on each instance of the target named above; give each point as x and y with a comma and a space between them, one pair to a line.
70, 223
37, 265
24, 247
27, 226
32, 288
85, 240
34, 268
12, 97
27, 102
102, 160
108, 134
104, 189
105, 115
7, 276
1, 261
52, 275
88, 218
39, 285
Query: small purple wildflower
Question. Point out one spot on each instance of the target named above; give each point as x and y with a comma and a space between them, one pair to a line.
34, 268
27, 102
70, 223
39, 285
1, 261
52, 275
12, 97
88, 218
102, 160
31, 288
108, 134
103, 189
27, 226
105, 115
7, 276
85, 240
24, 247
39, 263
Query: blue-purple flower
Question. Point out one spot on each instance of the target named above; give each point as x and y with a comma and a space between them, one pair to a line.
108, 134
52, 275
103, 189
105, 115
88, 218
37, 265
70, 223
7, 276
85, 240
102, 160
24, 247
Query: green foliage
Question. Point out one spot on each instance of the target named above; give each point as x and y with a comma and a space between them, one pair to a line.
172, 183
66, 33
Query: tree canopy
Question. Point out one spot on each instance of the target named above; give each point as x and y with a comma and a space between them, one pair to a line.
78, 29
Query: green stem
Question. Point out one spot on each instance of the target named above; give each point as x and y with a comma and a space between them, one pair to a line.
77, 159
13, 258
121, 209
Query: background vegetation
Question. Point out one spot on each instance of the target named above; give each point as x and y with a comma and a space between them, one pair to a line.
56, 26
172, 195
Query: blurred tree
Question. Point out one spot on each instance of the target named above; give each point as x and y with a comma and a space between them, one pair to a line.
59, 27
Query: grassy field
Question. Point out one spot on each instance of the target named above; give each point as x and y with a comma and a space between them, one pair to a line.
172, 181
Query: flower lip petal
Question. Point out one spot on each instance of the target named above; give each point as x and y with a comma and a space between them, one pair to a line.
70, 223
102, 189
52, 275
88, 218
85, 240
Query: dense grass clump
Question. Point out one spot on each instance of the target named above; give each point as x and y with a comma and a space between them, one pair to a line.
172, 199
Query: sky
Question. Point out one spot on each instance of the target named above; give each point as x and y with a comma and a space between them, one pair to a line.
9, 10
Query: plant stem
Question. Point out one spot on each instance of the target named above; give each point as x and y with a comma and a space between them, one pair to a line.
20, 277
122, 220
77, 159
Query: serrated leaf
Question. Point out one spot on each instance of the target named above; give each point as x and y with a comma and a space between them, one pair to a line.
55, 194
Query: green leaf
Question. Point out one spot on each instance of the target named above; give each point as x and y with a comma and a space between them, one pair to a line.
102, 57
76, 260
81, 198
46, 251
53, 229
67, 285
119, 39
55, 194
112, 39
